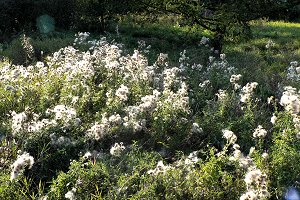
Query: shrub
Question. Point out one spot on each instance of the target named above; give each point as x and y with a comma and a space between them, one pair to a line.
68, 127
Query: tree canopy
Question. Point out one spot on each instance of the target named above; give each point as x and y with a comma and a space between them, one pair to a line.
226, 18
213, 14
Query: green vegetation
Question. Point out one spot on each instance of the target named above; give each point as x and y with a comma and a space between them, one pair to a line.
113, 118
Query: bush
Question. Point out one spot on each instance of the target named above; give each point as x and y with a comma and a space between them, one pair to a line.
70, 124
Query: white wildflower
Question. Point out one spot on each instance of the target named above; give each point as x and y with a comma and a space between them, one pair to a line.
115, 119
149, 103
294, 64
259, 132
229, 136
60, 141
222, 95
122, 92
236, 146
253, 177
39, 64
81, 38
256, 183
251, 151
204, 83
234, 79
117, 149
162, 59
273, 119
270, 43
170, 77
71, 194
160, 168
237, 154
18, 121
192, 159
247, 92
23, 160
204, 40
290, 100
197, 67
98, 131
64, 113
196, 128
87, 155
222, 56
293, 72
265, 155
271, 99
93, 155
211, 59
250, 195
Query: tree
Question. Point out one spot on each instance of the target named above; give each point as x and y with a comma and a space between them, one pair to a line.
227, 19
93, 15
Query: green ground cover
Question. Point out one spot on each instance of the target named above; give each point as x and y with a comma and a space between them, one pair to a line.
149, 113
